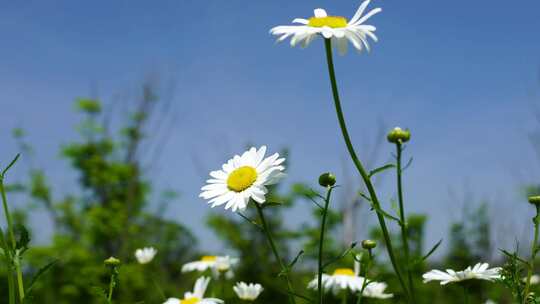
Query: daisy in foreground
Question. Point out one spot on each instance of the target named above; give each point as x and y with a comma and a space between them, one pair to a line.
197, 296
331, 27
243, 178
217, 264
344, 279
480, 271
145, 255
247, 292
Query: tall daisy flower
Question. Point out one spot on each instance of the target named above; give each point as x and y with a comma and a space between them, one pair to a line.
197, 296
480, 271
242, 178
247, 292
217, 264
331, 27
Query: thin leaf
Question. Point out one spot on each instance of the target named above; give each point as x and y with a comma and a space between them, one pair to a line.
362, 194
40, 272
249, 220
433, 249
407, 165
385, 214
10, 165
341, 256
295, 260
381, 169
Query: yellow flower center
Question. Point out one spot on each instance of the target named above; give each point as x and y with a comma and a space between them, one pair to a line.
330, 21
190, 301
242, 178
344, 271
209, 258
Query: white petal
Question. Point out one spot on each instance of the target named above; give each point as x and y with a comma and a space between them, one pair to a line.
301, 21
319, 13
359, 12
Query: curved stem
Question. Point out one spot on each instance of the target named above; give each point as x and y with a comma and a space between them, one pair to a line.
321, 243
359, 166
276, 253
534, 249
403, 224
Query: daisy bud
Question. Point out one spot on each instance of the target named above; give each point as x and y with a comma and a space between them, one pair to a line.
369, 244
398, 135
112, 261
327, 179
535, 200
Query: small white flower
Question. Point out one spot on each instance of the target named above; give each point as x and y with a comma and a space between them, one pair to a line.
145, 255
349, 279
489, 301
243, 178
480, 271
331, 27
197, 296
535, 279
249, 292
217, 264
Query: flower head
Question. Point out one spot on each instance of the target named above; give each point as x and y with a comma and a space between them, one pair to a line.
243, 178
343, 279
217, 264
197, 296
248, 292
145, 255
331, 27
480, 271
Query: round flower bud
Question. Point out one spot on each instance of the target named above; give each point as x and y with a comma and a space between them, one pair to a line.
369, 244
398, 135
535, 199
112, 261
327, 179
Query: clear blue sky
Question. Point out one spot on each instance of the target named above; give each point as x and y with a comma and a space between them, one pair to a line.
462, 75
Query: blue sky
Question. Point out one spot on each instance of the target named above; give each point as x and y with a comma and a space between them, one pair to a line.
462, 75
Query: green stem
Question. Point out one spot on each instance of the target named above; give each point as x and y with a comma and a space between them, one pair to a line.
402, 219
276, 253
11, 286
15, 258
365, 283
534, 249
465, 295
112, 283
344, 297
359, 166
321, 243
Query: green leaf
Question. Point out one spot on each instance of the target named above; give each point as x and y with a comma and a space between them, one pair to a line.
23, 241
381, 169
295, 260
385, 214
341, 256
40, 272
433, 249
10, 165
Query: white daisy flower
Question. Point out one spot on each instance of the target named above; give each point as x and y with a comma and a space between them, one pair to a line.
243, 178
145, 255
217, 264
331, 27
197, 296
248, 292
480, 271
535, 279
376, 290
341, 279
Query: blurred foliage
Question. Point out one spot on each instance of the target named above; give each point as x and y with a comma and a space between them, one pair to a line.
109, 215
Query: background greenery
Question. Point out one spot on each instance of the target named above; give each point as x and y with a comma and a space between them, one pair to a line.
108, 215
